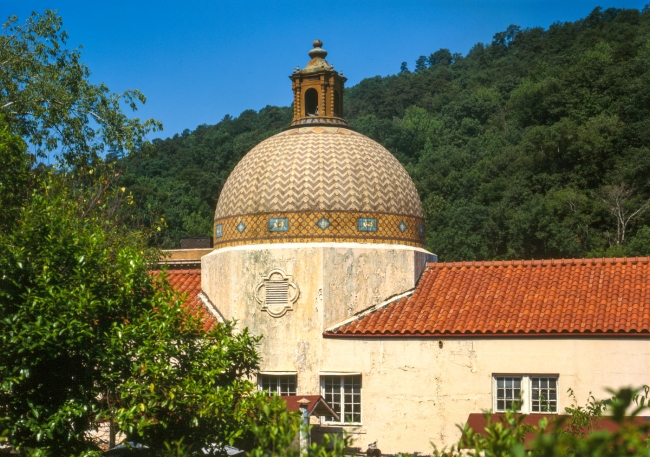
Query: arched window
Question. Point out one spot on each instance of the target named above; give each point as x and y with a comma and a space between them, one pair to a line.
311, 102
337, 104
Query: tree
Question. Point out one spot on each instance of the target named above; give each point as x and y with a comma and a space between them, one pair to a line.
404, 69
46, 96
421, 63
621, 203
14, 175
87, 333
441, 56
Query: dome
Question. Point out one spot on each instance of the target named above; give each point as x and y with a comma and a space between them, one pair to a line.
319, 183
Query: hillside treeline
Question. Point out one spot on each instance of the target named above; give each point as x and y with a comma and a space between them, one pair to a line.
536, 145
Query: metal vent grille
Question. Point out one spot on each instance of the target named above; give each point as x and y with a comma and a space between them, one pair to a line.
277, 292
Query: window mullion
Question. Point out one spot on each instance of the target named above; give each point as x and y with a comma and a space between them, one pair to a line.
526, 397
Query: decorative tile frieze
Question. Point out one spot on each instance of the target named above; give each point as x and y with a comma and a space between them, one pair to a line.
320, 226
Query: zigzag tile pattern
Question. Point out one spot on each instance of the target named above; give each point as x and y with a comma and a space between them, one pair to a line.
543, 297
318, 168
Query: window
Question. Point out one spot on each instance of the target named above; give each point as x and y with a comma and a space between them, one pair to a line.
529, 393
311, 102
343, 393
275, 384
508, 392
543, 394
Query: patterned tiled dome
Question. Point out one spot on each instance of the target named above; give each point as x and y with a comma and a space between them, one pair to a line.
319, 184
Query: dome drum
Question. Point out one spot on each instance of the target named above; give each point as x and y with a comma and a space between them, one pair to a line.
319, 226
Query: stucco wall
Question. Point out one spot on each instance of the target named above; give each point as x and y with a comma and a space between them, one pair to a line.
414, 392
336, 281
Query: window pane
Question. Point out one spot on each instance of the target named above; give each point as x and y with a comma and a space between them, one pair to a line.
343, 393
508, 390
544, 390
287, 385
278, 384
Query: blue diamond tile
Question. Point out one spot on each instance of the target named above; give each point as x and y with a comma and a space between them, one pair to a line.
323, 223
421, 230
402, 226
241, 227
218, 231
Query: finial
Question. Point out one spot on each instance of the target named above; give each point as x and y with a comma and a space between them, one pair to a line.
318, 51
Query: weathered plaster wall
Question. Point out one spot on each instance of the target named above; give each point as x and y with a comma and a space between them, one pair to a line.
414, 392
336, 281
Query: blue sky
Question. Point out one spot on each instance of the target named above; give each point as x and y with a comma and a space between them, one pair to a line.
197, 61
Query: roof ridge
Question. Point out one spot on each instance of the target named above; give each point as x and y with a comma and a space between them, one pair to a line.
370, 310
539, 262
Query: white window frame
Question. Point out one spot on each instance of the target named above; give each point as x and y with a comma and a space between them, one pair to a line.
342, 377
527, 391
278, 375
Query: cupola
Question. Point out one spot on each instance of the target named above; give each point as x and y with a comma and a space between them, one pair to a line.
317, 91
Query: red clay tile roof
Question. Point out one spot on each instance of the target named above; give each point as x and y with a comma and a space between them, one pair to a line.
541, 297
188, 281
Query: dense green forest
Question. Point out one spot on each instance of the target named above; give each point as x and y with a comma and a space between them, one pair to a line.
536, 145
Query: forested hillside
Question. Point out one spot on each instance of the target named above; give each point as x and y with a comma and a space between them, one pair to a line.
536, 145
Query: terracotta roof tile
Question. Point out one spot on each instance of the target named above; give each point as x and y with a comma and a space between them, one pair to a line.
188, 282
587, 296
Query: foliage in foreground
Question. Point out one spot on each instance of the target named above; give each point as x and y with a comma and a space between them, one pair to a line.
573, 435
88, 334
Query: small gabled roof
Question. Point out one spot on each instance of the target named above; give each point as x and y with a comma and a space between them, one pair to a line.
317, 405
595, 297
